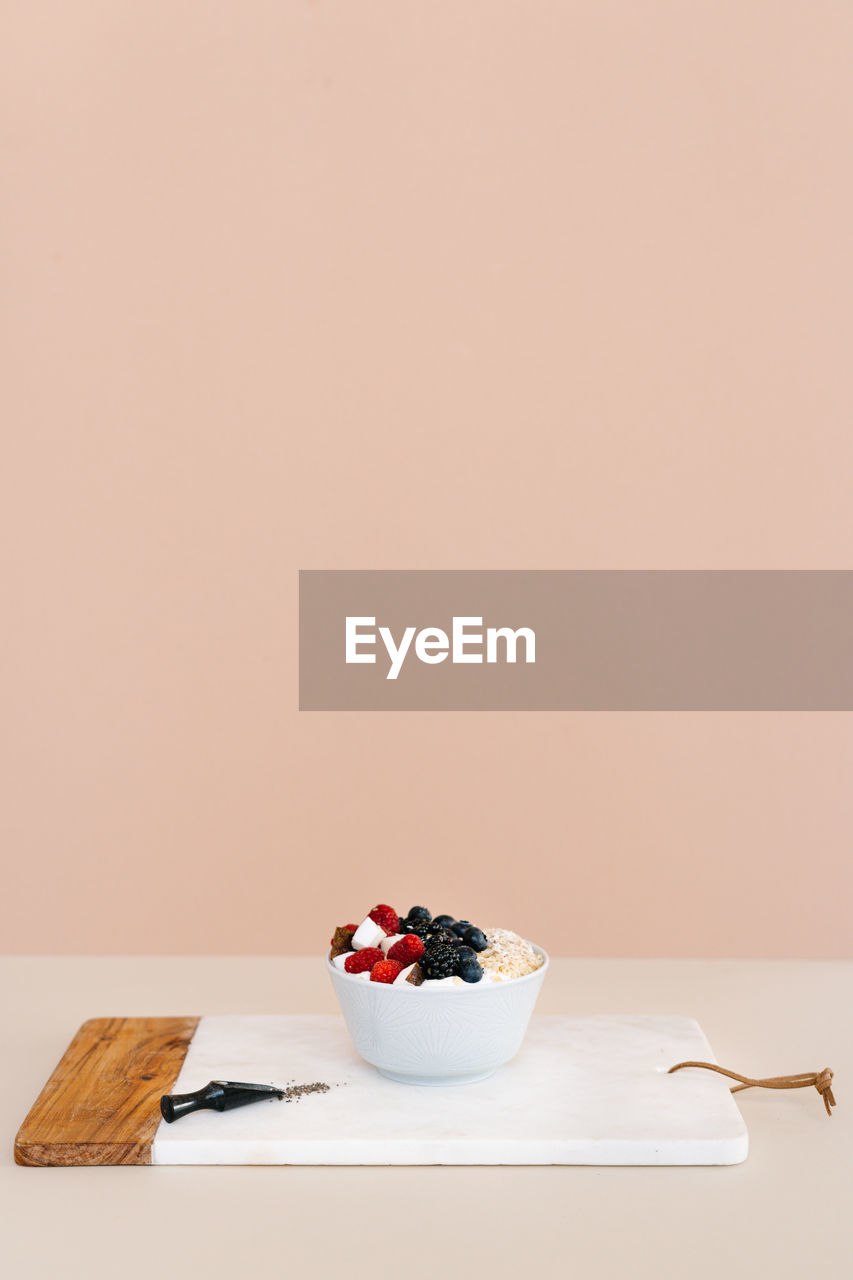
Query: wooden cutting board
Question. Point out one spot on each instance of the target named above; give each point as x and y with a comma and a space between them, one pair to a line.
102, 1103
582, 1090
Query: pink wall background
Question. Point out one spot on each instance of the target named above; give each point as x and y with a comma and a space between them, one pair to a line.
481, 284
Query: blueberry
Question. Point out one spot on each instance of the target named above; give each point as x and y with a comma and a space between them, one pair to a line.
460, 926
470, 969
444, 921
475, 938
419, 913
463, 952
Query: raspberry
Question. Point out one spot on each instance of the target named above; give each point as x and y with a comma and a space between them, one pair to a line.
386, 917
407, 950
361, 961
385, 971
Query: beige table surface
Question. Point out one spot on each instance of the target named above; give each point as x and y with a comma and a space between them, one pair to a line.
788, 1211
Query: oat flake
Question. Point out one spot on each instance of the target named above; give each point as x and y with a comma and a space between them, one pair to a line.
508, 955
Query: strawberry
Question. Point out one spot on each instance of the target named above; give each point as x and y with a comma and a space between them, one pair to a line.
386, 917
385, 971
361, 961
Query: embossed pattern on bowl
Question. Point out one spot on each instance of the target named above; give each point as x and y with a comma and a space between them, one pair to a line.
438, 1035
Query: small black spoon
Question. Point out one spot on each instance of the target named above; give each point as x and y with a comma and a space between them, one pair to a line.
218, 1095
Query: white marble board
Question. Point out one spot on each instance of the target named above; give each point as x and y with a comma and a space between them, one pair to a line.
582, 1090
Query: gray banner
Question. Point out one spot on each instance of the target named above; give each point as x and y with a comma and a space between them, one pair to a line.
575, 640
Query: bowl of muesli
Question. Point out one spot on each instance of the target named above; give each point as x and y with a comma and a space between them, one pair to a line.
432, 1000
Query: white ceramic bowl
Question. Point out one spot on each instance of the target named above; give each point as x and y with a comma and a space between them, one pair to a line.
436, 1034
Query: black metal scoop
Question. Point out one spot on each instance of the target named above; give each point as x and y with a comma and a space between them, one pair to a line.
218, 1095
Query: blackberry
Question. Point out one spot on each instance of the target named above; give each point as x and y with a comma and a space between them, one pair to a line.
420, 928
440, 937
418, 913
440, 962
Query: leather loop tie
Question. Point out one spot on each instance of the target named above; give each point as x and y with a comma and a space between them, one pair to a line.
822, 1081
